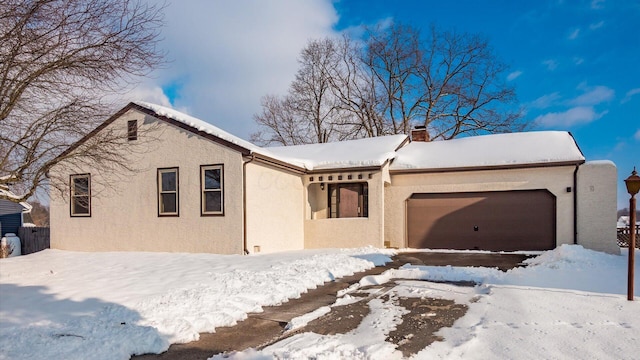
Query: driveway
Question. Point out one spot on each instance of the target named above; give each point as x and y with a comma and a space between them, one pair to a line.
267, 327
502, 261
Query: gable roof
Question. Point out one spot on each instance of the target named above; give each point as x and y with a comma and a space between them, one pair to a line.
536, 148
369, 152
196, 124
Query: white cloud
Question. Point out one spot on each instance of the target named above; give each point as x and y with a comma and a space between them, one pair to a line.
629, 94
637, 135
573, 116
578, 60
595, 26
593, 96
514, 75
226, 55
574, 34
551, 64
597, 4
546, 101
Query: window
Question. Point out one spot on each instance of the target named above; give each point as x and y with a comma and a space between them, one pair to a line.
168, 197
212, 190
132, 130
80, 195
348, 200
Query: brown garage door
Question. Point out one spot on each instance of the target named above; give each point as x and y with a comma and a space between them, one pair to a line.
496, 221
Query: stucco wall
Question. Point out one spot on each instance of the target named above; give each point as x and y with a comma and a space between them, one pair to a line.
323, 232
125, 216
275, 208
555, 179
597, 201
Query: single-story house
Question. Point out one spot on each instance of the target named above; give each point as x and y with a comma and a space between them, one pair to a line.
12, 213
197, 188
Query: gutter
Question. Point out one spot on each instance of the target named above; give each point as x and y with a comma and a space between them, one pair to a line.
486, 167
575, 204
244, 204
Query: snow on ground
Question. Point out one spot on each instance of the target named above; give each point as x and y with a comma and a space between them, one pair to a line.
64, 305
568, 303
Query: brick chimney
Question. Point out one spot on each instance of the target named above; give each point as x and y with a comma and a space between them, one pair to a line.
419, 133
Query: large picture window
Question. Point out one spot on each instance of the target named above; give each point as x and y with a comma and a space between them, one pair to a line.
348, 200
80, 195
168, 193
212, 190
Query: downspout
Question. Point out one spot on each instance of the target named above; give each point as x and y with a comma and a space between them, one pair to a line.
244, 204
575, 204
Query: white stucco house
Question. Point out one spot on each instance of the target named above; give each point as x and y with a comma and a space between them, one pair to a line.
197, 188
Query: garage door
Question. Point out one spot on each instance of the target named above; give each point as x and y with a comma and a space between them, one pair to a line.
496, 221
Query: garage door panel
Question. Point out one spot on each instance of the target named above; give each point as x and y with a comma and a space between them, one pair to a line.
497, 221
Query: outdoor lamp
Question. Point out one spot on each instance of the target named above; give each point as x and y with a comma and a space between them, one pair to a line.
633, 186
633, 183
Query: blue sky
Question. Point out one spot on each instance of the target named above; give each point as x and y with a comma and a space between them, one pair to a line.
575, 64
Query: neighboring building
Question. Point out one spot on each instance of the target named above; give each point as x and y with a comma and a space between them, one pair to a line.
12, 214
201, 189
623, 222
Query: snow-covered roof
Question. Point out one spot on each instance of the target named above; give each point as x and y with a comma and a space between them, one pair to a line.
197, 124
538, 147
351, 153
26, 207
342, 154
497, 150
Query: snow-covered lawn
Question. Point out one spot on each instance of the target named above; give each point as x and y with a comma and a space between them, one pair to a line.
65, 305
569, 303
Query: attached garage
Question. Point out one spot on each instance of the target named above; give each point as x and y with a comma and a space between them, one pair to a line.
492, 220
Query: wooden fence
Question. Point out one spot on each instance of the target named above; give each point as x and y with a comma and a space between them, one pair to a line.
624, 236
34, 239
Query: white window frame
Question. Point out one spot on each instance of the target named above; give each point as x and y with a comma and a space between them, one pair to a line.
161, 211
204, 190
74, 196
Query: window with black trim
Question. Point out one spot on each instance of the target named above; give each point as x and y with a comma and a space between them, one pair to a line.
348, 200
168, 192
80, 195
132, 130
211, 190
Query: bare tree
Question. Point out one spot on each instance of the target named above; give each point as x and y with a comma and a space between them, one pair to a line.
59, 62
464, 90
393, 56
309, 113
356, 92
451, 83
39, 214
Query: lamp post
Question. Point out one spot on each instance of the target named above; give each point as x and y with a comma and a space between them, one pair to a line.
633, 186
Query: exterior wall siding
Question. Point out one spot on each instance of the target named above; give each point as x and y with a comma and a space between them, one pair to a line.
124, 215
9, 207
10, 223
597, 194
275, 208
554, 179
